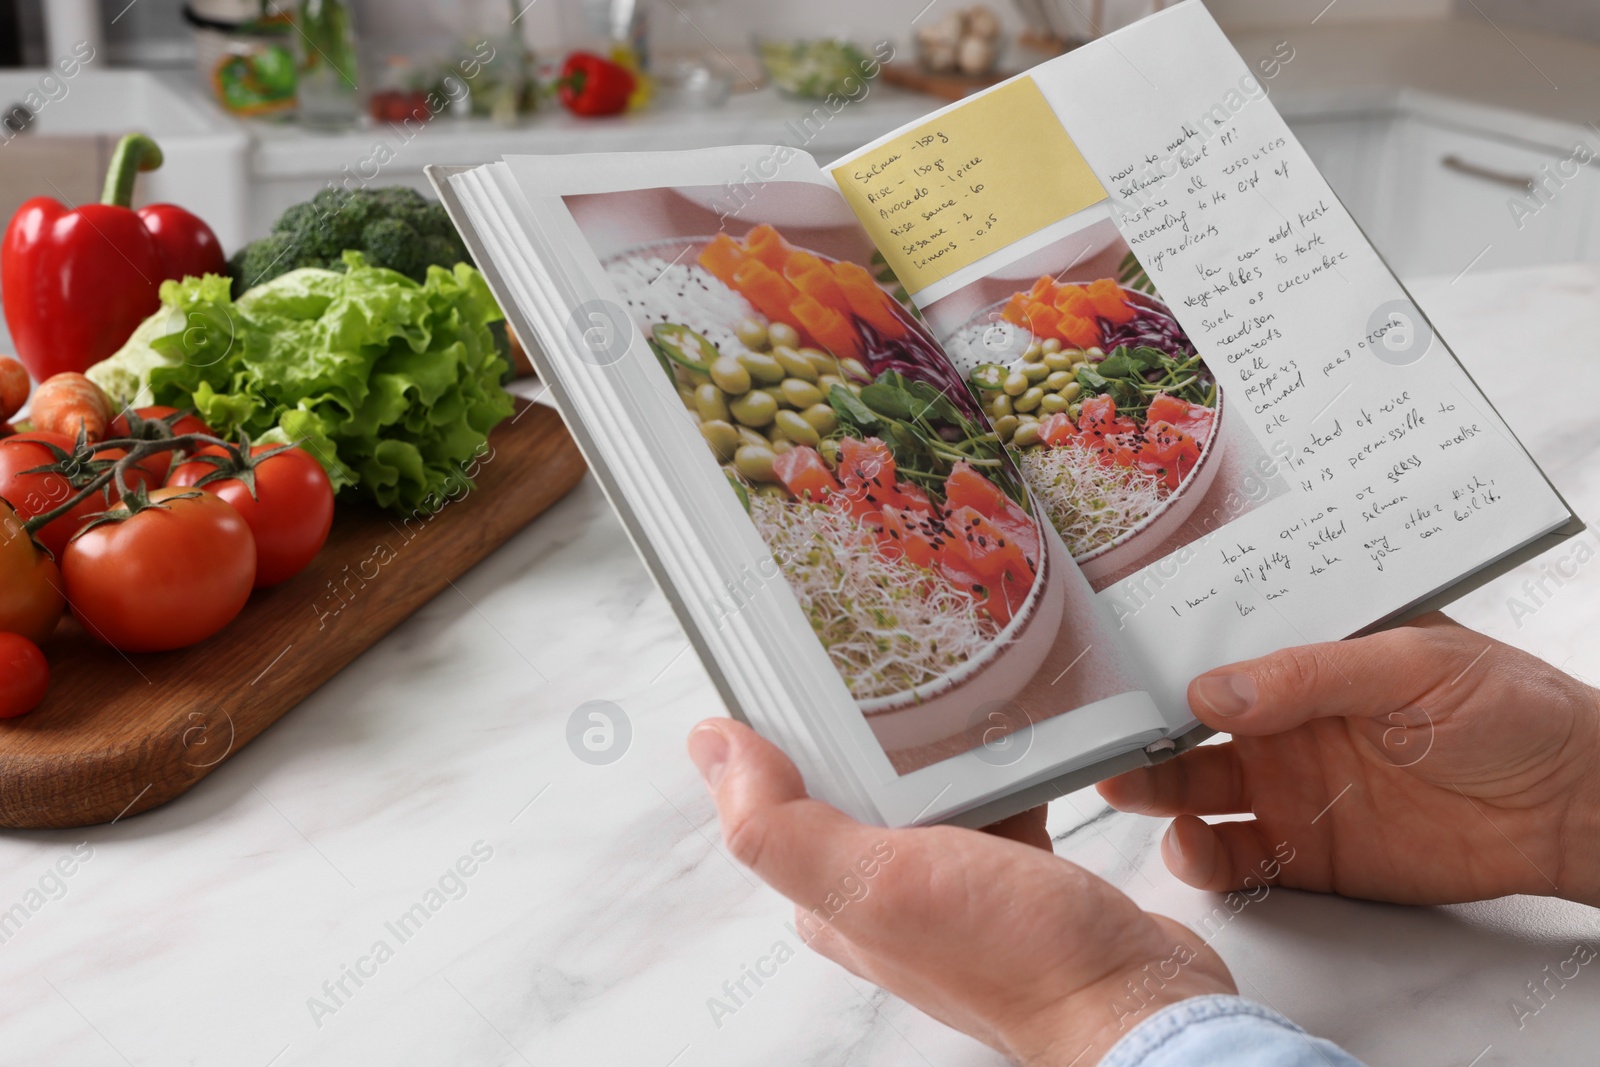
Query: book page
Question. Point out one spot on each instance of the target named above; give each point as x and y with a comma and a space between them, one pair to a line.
857, 516
1246, 433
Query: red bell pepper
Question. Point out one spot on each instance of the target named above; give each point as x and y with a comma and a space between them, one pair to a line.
593, 85
77, 282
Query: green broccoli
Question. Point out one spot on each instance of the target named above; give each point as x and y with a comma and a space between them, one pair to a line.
394, 227
391, 243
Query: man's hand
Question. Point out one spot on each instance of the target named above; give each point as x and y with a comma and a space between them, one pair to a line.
1425, 764
1026, 952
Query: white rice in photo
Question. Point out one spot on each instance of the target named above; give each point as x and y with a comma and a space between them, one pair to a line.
655, 290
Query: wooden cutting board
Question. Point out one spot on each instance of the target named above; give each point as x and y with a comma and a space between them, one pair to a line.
944, 86
118, 734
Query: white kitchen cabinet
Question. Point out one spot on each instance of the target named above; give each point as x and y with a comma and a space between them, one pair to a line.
1434, 196
1355, 152
1453, 202
1347, 149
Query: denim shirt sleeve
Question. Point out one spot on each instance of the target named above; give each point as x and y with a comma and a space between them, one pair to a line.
1222, 1029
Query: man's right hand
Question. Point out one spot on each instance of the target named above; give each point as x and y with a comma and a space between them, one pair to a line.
1426, 764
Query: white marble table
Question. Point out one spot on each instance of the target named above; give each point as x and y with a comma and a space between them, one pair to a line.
607, 912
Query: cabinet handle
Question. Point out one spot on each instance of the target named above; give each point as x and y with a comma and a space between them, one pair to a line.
1520, 181
15, 119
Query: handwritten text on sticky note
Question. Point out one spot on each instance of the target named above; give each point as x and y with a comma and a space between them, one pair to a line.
970, 182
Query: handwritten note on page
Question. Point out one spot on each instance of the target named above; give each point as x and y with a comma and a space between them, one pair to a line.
1403, 478
968, 182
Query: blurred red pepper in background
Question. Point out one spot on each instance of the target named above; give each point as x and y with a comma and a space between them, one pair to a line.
399, 105
593, 85
77, 282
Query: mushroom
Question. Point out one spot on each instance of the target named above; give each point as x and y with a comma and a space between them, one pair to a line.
964, 40
983, 23
976, 55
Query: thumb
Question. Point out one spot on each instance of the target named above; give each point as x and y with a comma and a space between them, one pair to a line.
797, 845
1365, 676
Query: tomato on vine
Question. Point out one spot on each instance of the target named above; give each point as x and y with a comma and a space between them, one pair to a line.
156, 423
163, 570
43, 472
32, 491
30, 583
282, 492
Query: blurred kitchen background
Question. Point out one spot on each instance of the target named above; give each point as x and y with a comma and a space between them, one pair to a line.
1432, 119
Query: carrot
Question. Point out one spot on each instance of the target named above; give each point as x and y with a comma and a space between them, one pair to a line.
1085, 333
722, 257
830, 329
1043, 320
14, 386
799, 262
765, 288
1109, 301
1072, 300
1016, 310
819, 283
767, 245
1043, 288
868, 300
68, 402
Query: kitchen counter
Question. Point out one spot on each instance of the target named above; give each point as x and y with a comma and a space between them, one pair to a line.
601, 911
764, 116
1523, 85
290, 164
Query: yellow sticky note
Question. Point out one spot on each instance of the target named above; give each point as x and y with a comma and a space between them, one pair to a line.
972, 181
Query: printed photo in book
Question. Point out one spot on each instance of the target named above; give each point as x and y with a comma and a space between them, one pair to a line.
1119, 426
864, 459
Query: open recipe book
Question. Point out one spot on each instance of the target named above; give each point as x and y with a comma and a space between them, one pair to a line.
960, 456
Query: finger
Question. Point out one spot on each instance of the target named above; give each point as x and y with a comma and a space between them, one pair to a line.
1357, 677
1203, 781
1027, 827
1219, 856
801, 847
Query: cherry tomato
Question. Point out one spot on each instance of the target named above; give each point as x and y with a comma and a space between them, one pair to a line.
35, 494
165, 577
290, 513
24, 676
30, 584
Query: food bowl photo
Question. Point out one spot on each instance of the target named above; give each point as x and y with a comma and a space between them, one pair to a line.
1110, 516
920, 567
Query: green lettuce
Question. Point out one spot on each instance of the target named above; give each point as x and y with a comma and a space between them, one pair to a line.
391, 384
